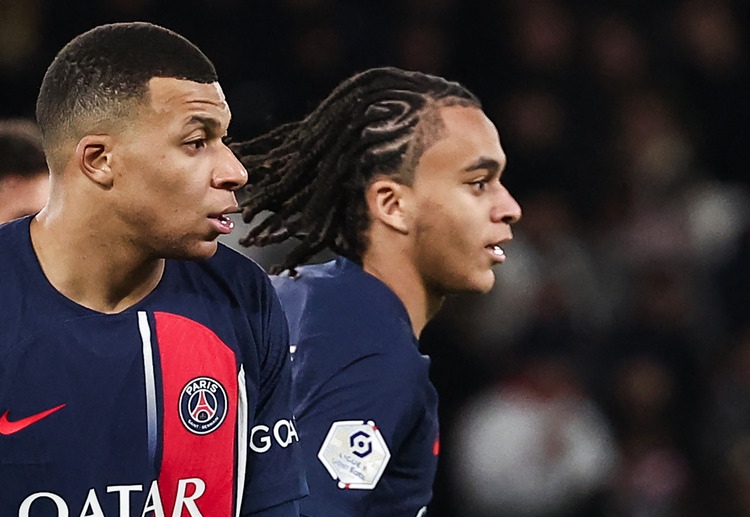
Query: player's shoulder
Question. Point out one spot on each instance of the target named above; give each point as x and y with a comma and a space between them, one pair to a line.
15, 249
228, 271
337, 303
339, 284
308, 276
233, 265
12, 234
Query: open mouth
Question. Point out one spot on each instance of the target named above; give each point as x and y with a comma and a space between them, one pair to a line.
224, 223
496, 250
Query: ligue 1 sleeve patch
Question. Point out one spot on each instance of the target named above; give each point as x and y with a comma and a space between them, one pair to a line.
355, 454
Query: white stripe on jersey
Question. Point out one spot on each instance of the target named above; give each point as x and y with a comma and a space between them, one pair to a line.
242, 443
148, 366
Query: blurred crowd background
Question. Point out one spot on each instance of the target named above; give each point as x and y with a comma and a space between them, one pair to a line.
608, 372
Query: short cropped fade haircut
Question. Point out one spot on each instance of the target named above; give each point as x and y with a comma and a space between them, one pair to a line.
99, 76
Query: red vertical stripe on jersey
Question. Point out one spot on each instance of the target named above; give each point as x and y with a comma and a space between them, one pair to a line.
188, 350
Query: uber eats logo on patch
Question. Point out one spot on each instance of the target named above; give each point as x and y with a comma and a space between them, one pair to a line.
355, 454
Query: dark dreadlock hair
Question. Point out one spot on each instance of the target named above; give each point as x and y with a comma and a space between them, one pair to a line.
312, 174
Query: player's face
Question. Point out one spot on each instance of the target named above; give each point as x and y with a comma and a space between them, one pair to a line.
174, 175
462, 212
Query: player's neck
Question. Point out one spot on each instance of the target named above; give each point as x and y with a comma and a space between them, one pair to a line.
90, 268
403, 279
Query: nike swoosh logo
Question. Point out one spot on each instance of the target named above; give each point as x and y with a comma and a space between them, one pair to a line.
7, 427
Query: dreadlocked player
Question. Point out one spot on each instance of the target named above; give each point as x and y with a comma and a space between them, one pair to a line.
398, 173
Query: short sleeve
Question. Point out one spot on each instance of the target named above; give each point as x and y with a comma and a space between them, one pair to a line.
275, 473
368, 436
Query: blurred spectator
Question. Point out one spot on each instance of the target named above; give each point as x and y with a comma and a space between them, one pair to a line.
650, 382
534, 446
24, 178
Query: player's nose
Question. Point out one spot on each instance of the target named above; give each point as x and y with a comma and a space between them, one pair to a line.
229, 173
506, 209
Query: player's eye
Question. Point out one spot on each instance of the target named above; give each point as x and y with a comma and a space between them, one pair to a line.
196, 144
479, 185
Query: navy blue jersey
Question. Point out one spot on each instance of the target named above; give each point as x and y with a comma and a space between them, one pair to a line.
365, 407
176, 407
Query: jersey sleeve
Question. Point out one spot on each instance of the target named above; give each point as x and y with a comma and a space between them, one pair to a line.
275, 473
369, 415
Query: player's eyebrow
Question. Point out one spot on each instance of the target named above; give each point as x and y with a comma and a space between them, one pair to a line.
210, 123
484, 162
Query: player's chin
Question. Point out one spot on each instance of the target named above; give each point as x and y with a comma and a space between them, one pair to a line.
206, 250
485, 282
481, 282
197, 250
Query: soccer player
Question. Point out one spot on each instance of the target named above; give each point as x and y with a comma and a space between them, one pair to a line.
139, 374
24, 178
399, 173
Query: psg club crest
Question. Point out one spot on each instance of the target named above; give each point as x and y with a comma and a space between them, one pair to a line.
355, 454
203, 405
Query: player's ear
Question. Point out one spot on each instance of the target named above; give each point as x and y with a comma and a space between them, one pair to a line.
387, 201
94, 159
